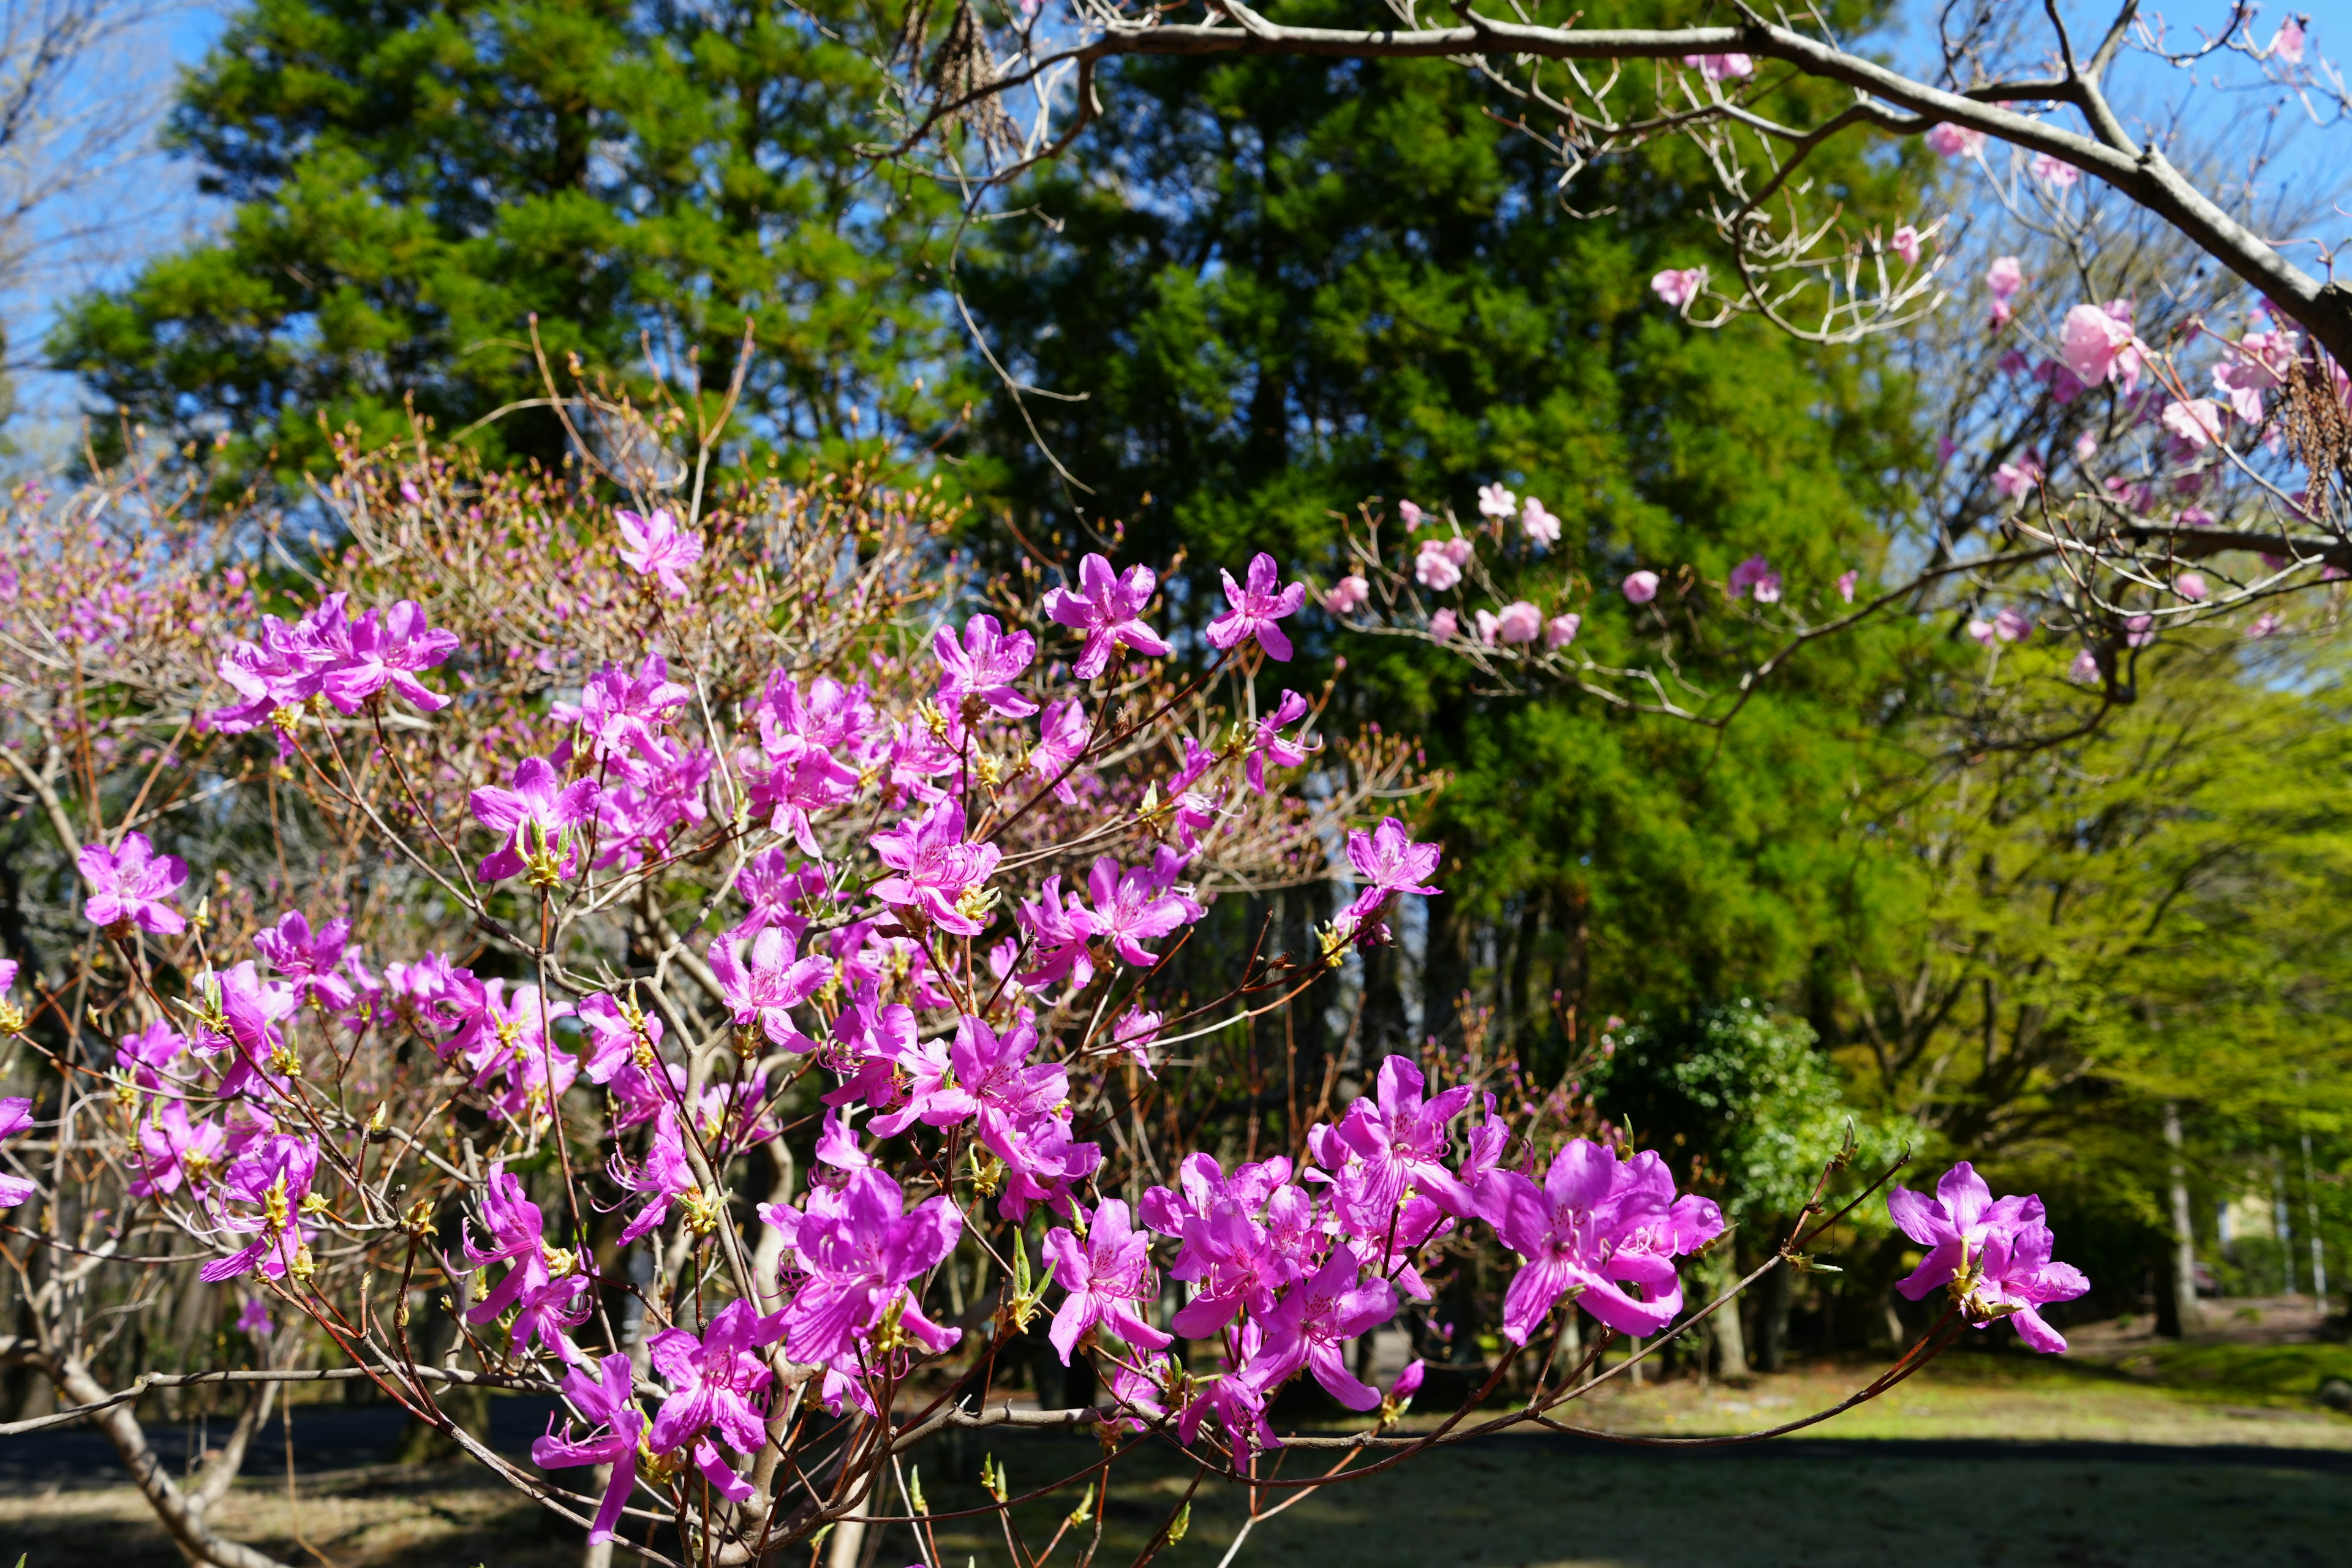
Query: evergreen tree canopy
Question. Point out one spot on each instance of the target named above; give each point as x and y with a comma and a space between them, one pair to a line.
414, 179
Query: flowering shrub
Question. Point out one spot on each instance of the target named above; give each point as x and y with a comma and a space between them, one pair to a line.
730, 971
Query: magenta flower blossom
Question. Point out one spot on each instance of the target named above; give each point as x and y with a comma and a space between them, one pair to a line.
15, 1115
938, 874
151, 1054
1311, 1324
1063, 735
1348, 595
617, 1033
1905, 243
1641, 587
268, 1183
1722, 68
128, 887
1594, 1227
1747, 576
537, 817
1388, 861
1444, 625
1138, 906
716, 1379
2286, 44
1679, 286
1435, 567
774, 981
656, 547
1992, 1255
984, 666
1268, 746
862, 1255
1109, 608
1256, 609
607, 1401
1846, 580
1402, 1141
309, 962
662, 1178
253, 1318
173, 1151
1061, 927
2090, 340
1108, 1278
384, 649
620, 712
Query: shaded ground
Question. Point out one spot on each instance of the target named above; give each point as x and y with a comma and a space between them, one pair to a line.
2131, 1452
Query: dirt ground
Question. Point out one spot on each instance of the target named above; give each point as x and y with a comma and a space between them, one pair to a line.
2131, 1453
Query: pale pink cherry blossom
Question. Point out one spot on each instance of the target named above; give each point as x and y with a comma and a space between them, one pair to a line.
656, 547
2005, 277
1485, 622
2138, 630
2192, 586
2286, 44
2196, 422
2086, 446
2011, 626
1846, 580
1906, 243
1750, 577
1722, 68
1348, 595
1435, 567
1458, 549
1679, 287
1950, 140
1981, 630
2053, 171
1520, 621
2018, 480
2086, 667
1411, 513
2265, 624
1444, 625
1540, 525
2091, 340
1641, 587
1560, 631
1496, 500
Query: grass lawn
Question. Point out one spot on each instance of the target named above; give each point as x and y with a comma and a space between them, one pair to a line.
2129, 1453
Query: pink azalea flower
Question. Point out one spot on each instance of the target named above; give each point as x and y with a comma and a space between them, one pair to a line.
2191, 585
984, 666
1313, 1323
152, 1054
1444, 625
1411, 514
1496, 500
128, 886
253, 1318
268, 1183
2264, 625
15, 1115
2017, 481
1061, 929
1435, 566
1268, 746
2138, 630
1600, 1224
2011, 626
2005, 277
1255, 610
608, 1400
1641, 587
2086, 666
308, 961
1846, 580
1138, 906
765, 990
1109, 608
1347, 595
2286, 44
656, 547
1063, 735
1388, 861
863, 1254
1905, 243
1403, 1142
171, 1152
1992, 1257
537, 816
1717, 67
937, 872
2091, 340
716, 1379
1679, 287
1110, 1279
1748, 576
661, 1178
1560, 631
1950, 140
372, 655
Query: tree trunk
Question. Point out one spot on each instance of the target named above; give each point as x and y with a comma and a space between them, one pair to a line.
1730, 1339
2184, 1245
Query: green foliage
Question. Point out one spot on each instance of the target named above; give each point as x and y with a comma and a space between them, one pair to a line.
1746, 1107
414, 182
